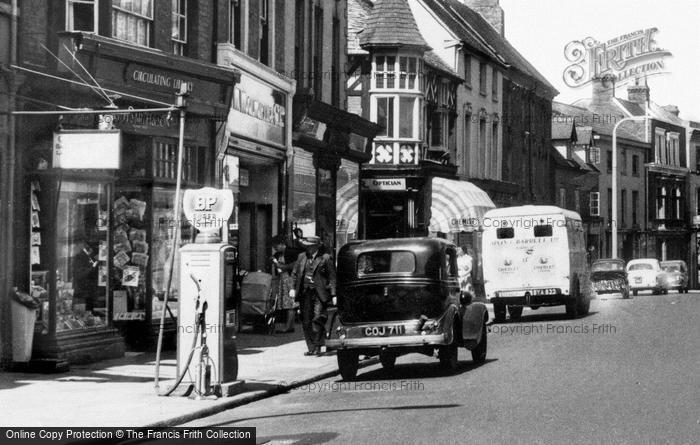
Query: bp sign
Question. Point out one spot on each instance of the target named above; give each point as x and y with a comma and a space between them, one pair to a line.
208, 210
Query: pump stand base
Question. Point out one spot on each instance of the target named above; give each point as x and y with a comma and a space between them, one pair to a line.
230, 389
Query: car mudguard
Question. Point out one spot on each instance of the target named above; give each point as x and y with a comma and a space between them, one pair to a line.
473, 318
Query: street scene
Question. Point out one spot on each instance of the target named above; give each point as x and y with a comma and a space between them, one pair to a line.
349, 221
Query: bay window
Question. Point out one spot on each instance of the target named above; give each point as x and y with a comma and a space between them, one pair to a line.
132, 21
397, 72
398, 115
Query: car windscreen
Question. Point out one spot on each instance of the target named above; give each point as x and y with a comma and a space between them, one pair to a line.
641, 266
607, 266
671, 267
371, 263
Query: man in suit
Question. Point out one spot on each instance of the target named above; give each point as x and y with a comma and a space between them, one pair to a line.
314, 288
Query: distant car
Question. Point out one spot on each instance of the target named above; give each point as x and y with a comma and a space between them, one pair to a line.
609, 277
676, 275
646, 274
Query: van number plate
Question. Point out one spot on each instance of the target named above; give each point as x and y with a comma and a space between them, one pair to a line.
383, 331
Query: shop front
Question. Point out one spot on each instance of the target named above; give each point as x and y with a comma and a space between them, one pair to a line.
254, 156
102, 215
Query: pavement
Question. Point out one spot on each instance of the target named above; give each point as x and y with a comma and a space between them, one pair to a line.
121, 392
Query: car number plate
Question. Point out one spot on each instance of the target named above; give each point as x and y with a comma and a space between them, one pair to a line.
543, 292
383, 331
637, 279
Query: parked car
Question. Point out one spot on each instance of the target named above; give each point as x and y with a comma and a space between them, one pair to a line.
646, 274
609, 277
400, 296
676, 275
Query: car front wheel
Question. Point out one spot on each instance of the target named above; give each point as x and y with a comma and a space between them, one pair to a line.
499, 312
515, 312
388, 360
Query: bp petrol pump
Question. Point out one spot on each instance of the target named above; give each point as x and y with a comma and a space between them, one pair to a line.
206, 348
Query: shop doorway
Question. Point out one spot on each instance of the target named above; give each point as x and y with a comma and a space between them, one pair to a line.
255, 236
386, 216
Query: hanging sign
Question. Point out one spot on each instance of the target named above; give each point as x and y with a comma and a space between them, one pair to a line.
86, 149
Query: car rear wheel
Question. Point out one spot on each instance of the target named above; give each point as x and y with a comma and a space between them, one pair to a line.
515, 312
634, 292
499, 313
448, 354
348, 363
625, 293
479, 353
388, 360
573, 306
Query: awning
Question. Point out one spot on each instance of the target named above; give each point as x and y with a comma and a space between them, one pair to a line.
457, 206
346, 207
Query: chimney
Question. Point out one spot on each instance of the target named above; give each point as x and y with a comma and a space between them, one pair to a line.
673, 109
638, 93
603, 89
491, 11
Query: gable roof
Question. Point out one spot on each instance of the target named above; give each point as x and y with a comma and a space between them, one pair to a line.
563, 131
475, 31
391, 24
358, 10
436, 62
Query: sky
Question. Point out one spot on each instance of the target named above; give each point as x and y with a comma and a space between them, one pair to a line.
540, 29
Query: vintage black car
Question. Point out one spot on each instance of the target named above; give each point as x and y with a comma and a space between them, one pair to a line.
609, 277
398, 296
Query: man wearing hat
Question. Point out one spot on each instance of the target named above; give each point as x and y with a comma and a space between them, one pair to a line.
314, 288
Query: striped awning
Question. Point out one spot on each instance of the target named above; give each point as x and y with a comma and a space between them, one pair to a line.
457, 206
346, 207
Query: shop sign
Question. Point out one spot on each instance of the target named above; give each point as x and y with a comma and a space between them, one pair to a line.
258, 111
385, 184
87, 149
208, 209
696, 221
156, 79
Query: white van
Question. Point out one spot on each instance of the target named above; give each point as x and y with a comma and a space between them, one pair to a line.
534, 256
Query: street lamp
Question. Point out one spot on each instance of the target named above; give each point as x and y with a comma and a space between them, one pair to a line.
613, 219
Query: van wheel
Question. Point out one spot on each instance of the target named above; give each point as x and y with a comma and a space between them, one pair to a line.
348, 363
584, 306
499, 313
515, 312
479, 353
634, 292
388, 360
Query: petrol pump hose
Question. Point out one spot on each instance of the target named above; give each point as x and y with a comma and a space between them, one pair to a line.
197, 328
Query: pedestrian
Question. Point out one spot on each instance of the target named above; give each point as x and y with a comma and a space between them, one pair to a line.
465, 264
282, 266
314, 288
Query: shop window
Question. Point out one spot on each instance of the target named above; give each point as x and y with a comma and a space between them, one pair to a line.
132, 21
623, 162
81, 15
304, 193
179, 26
165, 163
635, 205
80, 231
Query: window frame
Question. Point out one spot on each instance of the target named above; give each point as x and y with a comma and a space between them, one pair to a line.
594, 203
396, 115
116, 10
69, 15
635, 165
483, 73
179, 44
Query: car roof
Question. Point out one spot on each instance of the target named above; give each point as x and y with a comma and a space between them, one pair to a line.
642, 261
609, 260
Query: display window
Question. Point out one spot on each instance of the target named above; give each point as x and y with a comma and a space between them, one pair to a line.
70, 234
304, 190
346, 202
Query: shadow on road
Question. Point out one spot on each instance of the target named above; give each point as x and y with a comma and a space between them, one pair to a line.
534, 317
332, 411
404, 371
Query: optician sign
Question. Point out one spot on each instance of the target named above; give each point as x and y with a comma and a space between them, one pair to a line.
385, 184
627, 57
87, 149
